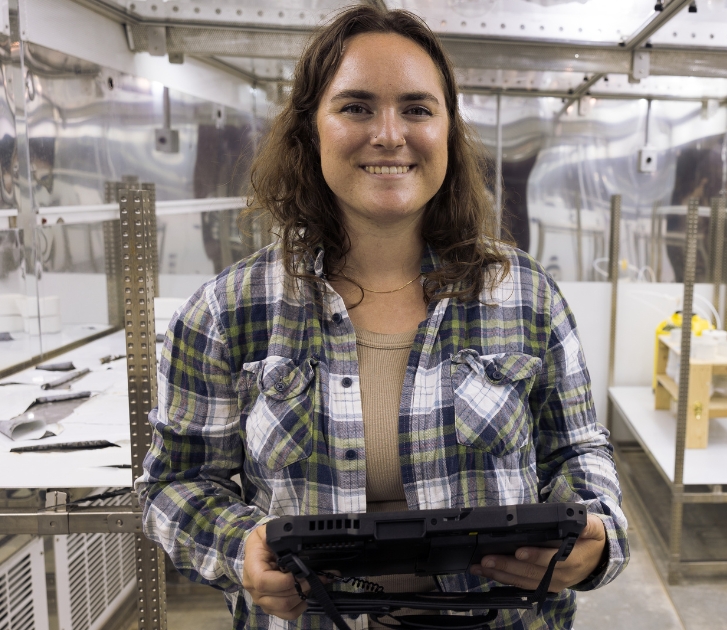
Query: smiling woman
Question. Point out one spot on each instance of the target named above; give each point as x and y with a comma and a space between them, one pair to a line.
386, 354
376, 90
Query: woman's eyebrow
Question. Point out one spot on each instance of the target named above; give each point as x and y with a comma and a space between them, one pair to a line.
365, 95
418, 96
362, 95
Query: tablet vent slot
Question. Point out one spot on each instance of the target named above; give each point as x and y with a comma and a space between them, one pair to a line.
331, 545
333, 523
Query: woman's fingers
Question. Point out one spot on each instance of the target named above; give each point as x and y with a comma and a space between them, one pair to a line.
509, 570
270, 588
527, 567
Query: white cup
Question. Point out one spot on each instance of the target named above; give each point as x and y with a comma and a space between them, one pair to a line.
704, 348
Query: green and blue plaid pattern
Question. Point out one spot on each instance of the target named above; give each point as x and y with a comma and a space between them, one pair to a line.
259, 377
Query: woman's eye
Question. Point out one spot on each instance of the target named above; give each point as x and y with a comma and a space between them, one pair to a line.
419, 111
354, 109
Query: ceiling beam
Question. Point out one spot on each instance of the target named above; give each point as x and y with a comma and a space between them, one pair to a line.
466, 52
525, 55
246, 76
562, 94
641, 36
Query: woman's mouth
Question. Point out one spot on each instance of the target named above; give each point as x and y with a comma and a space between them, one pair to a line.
386, 170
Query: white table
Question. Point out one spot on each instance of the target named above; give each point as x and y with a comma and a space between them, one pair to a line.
655, 430
105, 416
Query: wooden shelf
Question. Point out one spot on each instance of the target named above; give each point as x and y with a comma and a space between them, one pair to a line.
701, 407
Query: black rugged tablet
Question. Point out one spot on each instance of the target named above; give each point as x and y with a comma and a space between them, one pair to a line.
425, 542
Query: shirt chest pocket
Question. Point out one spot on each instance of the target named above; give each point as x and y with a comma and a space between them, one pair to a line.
491, 399
278, 427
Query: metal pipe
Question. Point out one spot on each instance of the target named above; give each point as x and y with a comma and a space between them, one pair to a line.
498, 170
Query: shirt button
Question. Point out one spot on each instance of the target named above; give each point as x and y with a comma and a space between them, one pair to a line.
336, 318
346, 382
279, 386
493, 373
351, 454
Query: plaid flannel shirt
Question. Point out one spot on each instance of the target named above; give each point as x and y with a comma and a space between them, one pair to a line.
257, 377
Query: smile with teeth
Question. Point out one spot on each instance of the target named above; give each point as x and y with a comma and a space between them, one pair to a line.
386, 170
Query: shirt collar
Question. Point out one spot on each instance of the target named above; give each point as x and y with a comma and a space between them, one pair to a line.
313, 262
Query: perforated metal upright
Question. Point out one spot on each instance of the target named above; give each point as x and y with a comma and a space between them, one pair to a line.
138, 232
613, 254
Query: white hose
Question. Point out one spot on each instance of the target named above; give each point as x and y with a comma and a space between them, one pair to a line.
642, 274
710, 306
596, 268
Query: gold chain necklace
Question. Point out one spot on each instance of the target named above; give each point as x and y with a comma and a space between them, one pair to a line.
372, 291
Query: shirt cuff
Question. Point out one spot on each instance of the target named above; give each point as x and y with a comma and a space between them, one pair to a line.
616, 561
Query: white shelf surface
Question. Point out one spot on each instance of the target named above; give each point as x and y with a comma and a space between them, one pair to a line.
105, 416
24, 346
656, 431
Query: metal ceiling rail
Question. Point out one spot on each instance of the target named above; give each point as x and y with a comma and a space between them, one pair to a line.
206, 40
654, 24
635, 41
562, 94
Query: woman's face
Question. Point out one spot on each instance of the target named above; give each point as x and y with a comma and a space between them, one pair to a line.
382, 127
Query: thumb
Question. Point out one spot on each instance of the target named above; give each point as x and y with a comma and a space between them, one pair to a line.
594, 529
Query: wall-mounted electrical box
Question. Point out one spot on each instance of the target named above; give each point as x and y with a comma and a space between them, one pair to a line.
647, 160
167, 140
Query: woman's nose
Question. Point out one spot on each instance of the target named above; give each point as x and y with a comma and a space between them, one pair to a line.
389, 130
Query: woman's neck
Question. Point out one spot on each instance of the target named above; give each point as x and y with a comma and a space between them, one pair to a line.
384, 257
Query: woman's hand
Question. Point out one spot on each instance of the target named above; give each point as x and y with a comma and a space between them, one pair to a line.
527, 567
270, 588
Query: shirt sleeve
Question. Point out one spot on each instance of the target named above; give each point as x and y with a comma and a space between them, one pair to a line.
575, 458
191, 506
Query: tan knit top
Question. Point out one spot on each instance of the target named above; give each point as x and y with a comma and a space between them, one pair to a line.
382, 361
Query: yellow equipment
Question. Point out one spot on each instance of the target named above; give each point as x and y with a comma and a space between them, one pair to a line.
699, 325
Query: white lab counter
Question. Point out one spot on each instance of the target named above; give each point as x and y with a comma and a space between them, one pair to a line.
104, 416
655, 430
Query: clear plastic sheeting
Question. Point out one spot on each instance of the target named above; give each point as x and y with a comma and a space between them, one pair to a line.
560, 176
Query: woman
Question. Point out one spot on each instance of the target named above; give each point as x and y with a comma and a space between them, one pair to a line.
288, 369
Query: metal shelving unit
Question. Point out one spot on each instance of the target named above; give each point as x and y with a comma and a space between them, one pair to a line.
636, 407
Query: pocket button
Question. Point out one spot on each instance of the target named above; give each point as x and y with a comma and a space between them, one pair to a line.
493, 373
279, 386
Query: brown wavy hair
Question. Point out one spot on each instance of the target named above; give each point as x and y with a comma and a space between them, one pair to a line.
287, 181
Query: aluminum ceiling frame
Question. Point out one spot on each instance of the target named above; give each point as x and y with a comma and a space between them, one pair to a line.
635, 41
206, 40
